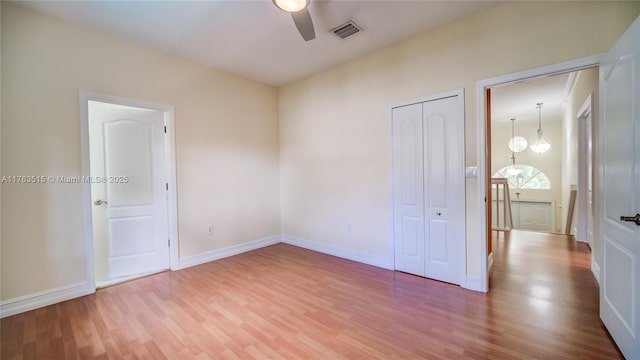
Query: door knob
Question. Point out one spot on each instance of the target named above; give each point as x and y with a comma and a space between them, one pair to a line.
99, 202
635, 219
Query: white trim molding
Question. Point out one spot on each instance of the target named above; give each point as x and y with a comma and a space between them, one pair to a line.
473, 283
438, 96
198, 259
585, 112
45, 298
381, 262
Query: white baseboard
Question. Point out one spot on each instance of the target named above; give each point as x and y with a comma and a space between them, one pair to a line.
595, 269
189, 261
44, 298
381, 262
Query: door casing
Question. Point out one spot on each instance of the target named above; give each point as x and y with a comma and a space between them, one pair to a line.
481, 87
168, 111
585, 139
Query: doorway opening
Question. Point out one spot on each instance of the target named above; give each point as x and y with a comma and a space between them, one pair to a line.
541, 192
540, 184
129, 188
486, 169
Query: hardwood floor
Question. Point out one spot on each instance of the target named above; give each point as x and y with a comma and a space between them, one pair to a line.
283, 302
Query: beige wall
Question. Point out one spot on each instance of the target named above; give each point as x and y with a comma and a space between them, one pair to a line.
335, 126
550, 162
226, 144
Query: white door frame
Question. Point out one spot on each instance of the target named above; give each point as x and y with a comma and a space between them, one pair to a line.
583, 162
481, 86
172, 204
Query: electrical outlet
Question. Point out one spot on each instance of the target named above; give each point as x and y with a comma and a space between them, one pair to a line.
210, 230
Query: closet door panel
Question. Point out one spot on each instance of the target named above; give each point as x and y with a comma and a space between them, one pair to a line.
443, 183
408, 189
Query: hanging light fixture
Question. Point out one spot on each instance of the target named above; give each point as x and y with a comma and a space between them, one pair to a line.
513, 170
540, 145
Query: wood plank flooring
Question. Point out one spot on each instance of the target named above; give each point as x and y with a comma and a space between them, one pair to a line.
283, 302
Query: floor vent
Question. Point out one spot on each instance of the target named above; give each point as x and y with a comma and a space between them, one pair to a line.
346, 30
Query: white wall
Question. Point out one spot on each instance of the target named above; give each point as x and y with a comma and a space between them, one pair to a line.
226, 144
550, 162
335, 126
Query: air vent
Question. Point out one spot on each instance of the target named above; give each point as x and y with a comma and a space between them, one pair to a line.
346, 30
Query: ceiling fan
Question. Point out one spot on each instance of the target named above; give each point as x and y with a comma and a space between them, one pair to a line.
300, 15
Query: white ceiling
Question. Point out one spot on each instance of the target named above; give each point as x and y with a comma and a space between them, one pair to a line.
519, 100
253, 37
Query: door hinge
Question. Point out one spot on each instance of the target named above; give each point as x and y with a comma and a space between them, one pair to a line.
165, 129
169, 242
167, 186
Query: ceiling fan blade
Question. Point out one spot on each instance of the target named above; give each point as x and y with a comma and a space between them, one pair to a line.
303, 22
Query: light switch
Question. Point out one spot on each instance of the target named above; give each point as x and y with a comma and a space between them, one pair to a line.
471, 171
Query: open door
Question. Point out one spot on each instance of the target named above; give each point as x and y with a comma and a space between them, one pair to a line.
128, 190
620, 189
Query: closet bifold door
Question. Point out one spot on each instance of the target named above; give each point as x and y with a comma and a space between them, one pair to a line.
428, 188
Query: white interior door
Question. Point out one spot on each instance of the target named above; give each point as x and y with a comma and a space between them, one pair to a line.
444, 188
620, 169
408, 189
128, 190
428, 185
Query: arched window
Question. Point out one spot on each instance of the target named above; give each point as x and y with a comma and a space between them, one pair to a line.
529, 177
